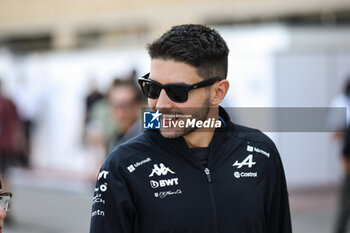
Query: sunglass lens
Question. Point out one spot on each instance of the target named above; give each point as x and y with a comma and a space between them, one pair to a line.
177, 93
151, 90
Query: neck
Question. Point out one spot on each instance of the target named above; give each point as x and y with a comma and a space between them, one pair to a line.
202, 137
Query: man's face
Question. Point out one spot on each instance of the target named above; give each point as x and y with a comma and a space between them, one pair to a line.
2, 217
197, 104
124, 107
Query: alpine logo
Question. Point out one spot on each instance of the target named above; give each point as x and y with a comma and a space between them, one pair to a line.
164, 183
160, 170
248, 161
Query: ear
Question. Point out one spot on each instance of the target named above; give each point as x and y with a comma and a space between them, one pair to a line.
219, 91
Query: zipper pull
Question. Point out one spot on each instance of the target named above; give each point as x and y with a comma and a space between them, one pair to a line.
207, 172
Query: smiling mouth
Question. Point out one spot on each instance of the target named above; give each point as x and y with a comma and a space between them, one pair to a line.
167, 121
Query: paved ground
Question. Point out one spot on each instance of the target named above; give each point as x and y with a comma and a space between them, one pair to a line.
63, 206
313, 211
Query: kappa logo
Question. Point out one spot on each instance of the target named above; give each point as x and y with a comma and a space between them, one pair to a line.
248, 161
160, 170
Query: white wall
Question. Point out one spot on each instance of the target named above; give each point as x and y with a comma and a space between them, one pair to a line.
310, 74
280, 66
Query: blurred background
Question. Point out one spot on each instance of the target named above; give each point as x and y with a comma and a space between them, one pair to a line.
63, 63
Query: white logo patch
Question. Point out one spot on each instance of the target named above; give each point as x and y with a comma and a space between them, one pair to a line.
98, 199
102, 174
245, 174
167, 193
160, 170
133, 167
164, 183
102, 186
251, 149
98, 213
262, 152
248, 161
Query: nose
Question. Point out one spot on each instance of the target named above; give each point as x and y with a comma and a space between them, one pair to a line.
163, 102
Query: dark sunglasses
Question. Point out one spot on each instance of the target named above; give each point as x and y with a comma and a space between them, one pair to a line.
177, 92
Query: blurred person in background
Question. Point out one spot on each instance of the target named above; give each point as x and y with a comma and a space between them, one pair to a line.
11, 136
114, 118
5, 204
343, 133
27, 100
125, 99
94, 96
98, 126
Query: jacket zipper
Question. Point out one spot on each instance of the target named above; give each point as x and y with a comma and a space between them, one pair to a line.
210, 181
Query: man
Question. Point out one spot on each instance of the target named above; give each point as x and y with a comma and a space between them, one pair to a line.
343, 132
226, 179
10, 133
5, 204
125, 100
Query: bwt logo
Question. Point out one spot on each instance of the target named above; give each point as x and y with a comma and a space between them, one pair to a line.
164, 183
151, 120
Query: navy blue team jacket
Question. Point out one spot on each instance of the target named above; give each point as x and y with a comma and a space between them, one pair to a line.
152, 184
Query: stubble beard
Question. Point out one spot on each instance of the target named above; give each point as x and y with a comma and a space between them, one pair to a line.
200, 115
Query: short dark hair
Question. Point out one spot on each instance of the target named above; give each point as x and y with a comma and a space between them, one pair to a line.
118, 82
193, 44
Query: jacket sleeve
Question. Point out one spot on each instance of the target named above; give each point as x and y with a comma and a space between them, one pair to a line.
112, 208
278, 217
